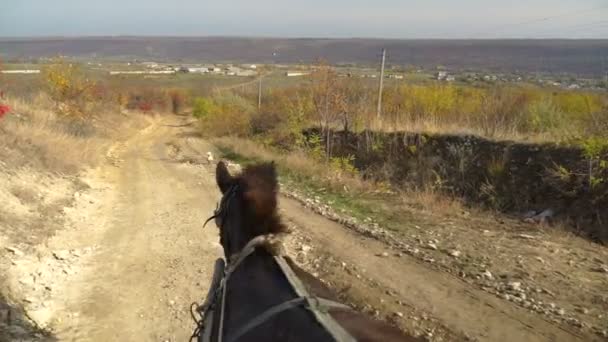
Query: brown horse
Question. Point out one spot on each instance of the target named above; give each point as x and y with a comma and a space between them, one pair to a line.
263, 297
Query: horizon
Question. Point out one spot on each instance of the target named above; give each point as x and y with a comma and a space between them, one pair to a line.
41, 37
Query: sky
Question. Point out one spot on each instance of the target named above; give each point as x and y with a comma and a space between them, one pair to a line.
308, 18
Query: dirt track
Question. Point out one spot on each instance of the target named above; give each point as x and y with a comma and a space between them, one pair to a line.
140, 257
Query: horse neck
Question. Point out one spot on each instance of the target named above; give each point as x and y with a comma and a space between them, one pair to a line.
258, 284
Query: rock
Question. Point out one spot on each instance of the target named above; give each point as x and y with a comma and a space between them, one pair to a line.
61, 255
41, 316
305, 248
602, 269
526, 236
343, 264
506, 296
399, 314
27, 281
552, 306
455, 253
15, 251
583, 310
17, 330
514, 285
560, 312
539, 259
487, 274
432, 246
383, 254
574, 322
171, 302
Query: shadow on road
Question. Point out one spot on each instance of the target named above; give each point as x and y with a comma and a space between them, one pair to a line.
15, 326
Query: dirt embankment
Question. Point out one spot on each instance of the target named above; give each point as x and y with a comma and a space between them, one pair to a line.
42, 157
537, 182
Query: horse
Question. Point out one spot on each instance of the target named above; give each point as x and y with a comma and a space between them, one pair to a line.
260, 295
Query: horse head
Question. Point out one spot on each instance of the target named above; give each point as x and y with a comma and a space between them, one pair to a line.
248, 207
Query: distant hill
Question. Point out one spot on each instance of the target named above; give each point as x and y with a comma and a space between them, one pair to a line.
582, 57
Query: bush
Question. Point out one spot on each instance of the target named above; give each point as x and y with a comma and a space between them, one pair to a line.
229, 115
148, 100
69, 87
4, 109
544, 116
202, 107
178, 98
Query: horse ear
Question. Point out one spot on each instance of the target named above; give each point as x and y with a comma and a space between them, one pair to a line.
223, 177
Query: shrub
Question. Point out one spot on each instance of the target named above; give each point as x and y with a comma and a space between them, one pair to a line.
544, 116
231, 116
179, 98
147, 100
69, 87
4, 109
202, 107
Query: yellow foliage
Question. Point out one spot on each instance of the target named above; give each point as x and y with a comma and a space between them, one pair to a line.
68, 86
230, 115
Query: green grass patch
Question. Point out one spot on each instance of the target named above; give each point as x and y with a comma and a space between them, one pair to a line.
384, 208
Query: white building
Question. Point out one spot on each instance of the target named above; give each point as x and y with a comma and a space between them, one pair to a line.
20, 71
295, 73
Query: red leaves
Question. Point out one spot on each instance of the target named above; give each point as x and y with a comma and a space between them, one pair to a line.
4, 109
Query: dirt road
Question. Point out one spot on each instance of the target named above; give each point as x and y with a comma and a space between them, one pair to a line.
137, 257
150, 258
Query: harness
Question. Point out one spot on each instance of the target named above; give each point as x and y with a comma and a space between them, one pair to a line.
318, 306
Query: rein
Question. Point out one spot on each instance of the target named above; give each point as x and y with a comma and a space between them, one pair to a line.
318, 306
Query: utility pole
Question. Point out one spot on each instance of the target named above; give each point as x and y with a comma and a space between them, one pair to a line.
379, 112
260, 94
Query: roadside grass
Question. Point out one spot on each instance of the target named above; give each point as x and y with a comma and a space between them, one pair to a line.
363, 200
33, 135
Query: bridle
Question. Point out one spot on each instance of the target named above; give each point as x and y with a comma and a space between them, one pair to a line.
221, 210
317, 306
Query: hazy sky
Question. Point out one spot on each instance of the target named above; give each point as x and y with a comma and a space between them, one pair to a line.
308, 18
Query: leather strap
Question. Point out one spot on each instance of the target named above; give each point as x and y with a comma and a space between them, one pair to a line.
318, 306
310, 303
328, 322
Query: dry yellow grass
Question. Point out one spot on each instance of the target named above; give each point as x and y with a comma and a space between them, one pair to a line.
299, 162
300, 165
34, 135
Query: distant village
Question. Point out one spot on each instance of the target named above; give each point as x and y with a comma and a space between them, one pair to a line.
441, 74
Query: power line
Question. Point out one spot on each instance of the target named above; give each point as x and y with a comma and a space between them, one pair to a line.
599, 27
539, 20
